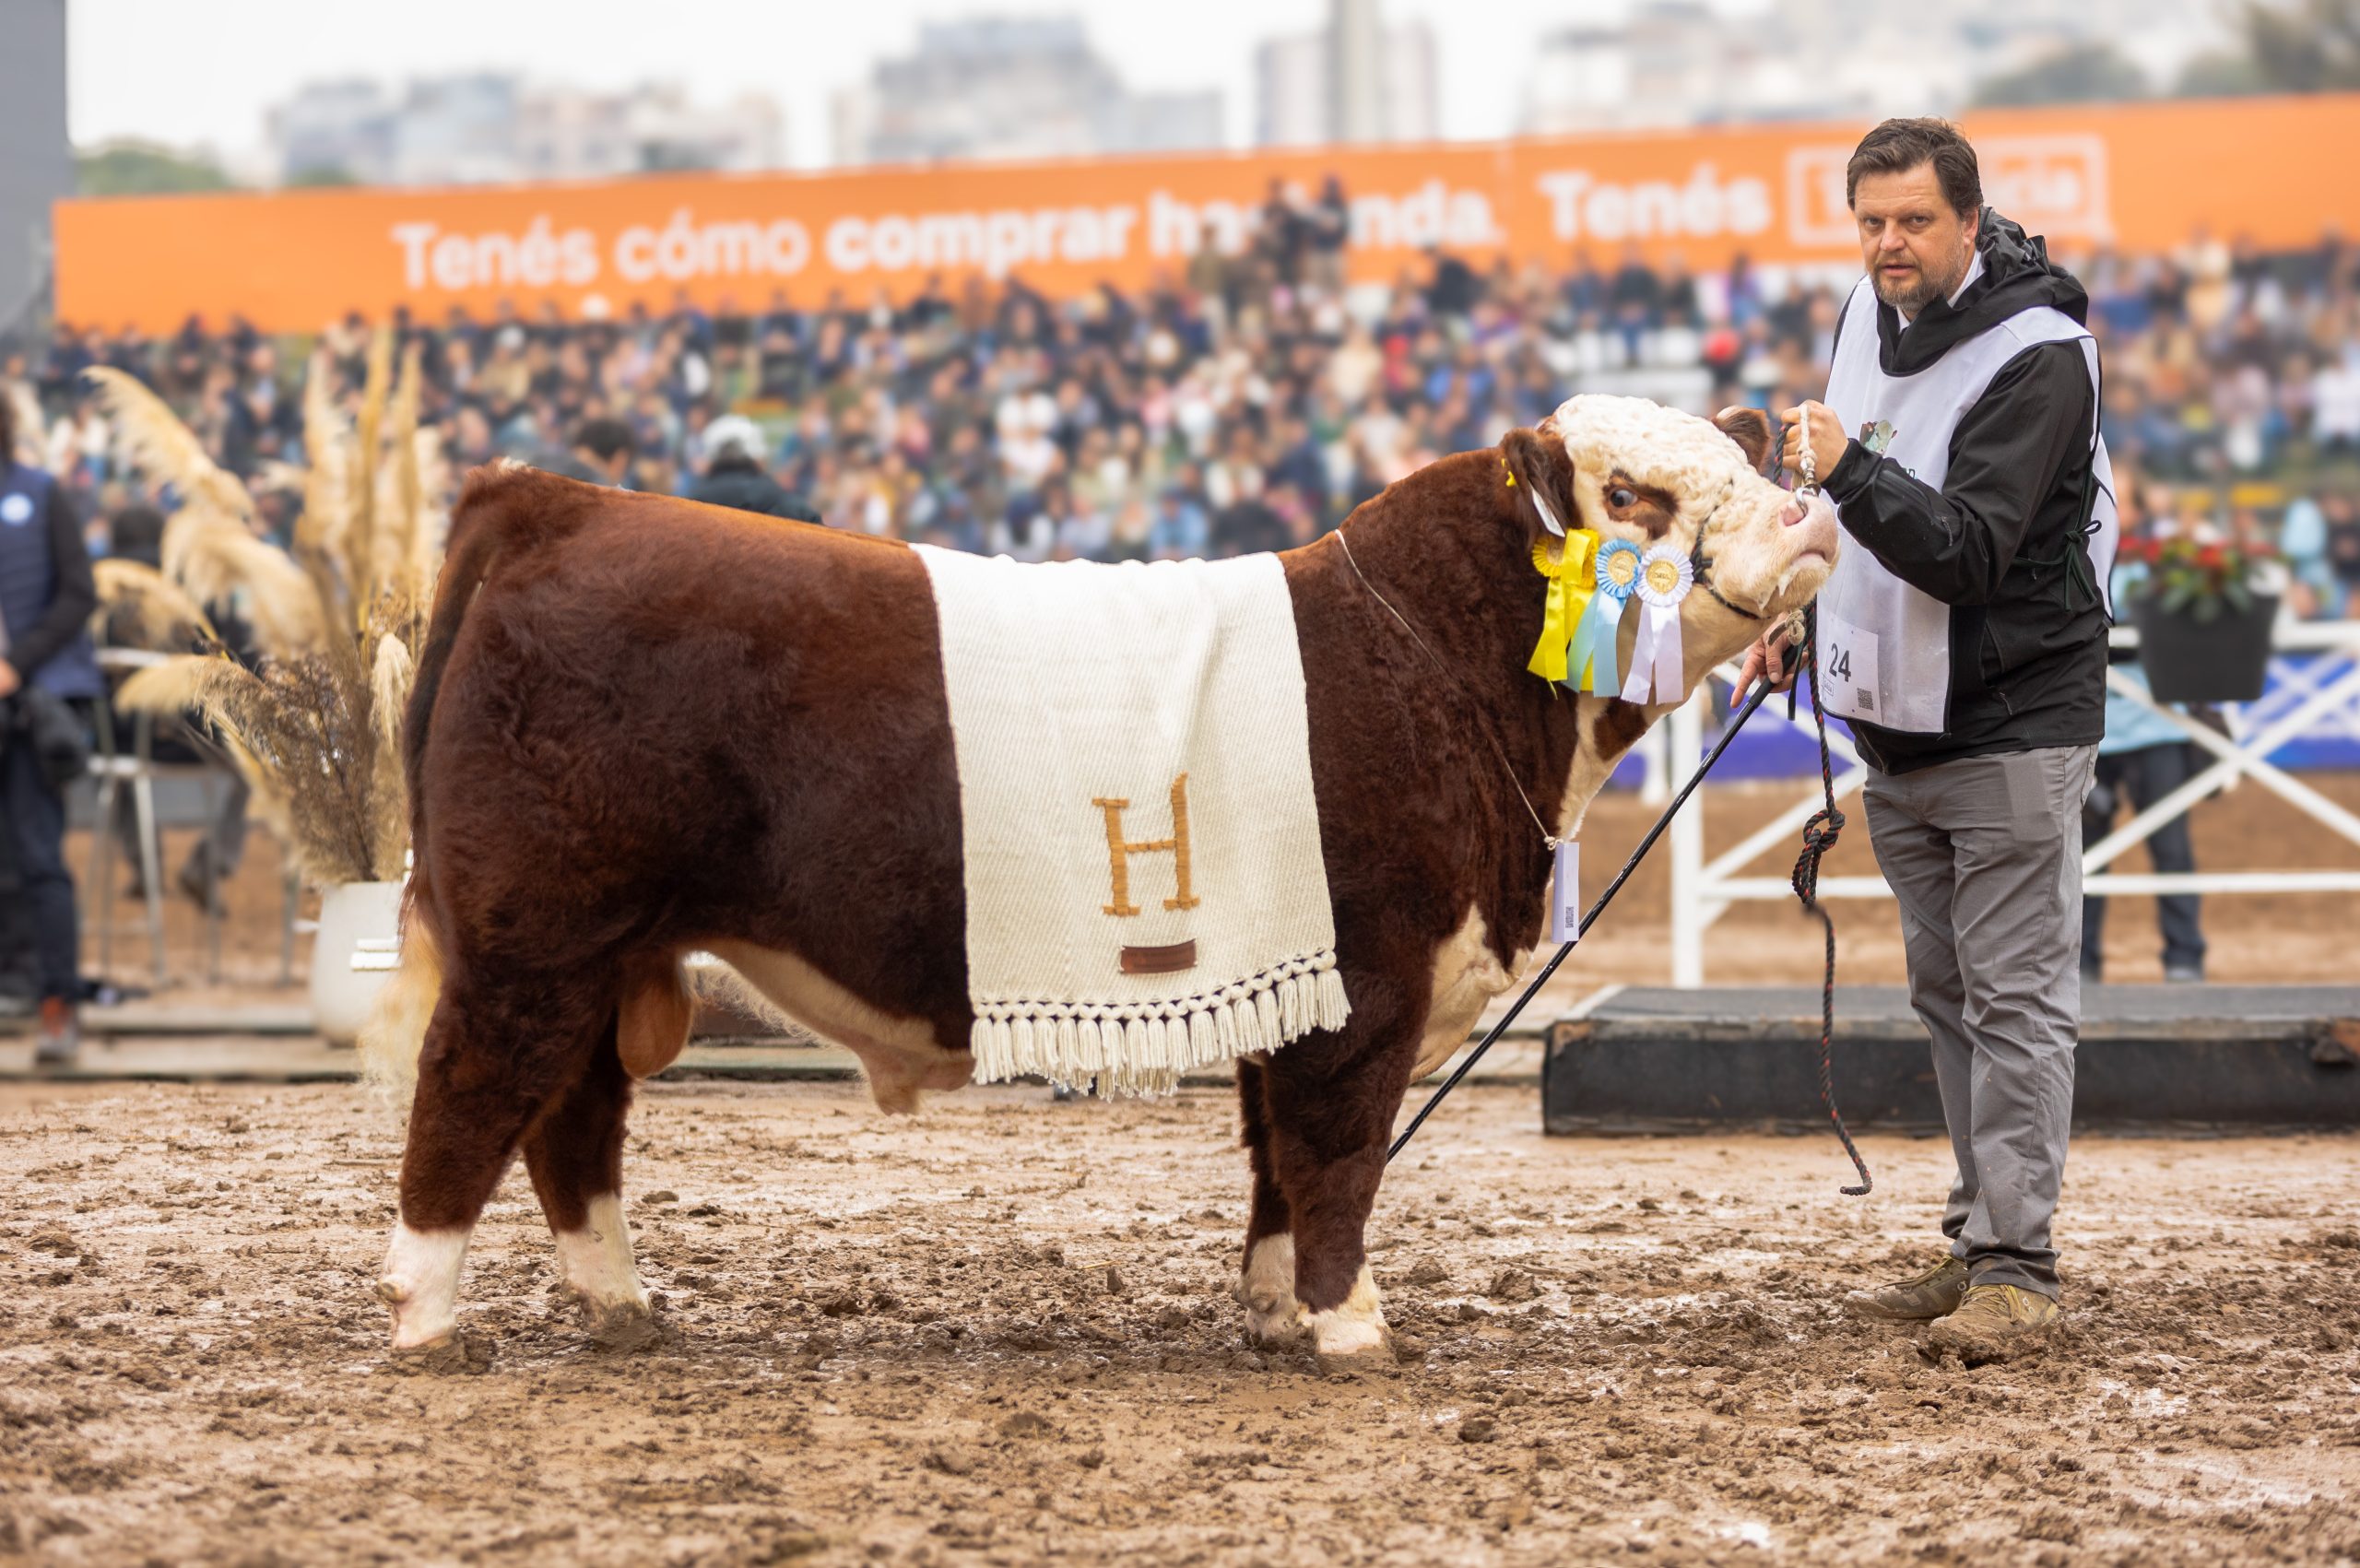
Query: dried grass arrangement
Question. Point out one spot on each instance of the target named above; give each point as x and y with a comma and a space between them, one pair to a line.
315, 725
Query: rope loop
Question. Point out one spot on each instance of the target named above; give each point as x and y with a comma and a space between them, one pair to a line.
1819, 837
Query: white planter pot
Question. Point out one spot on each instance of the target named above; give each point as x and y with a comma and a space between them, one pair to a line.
358, 917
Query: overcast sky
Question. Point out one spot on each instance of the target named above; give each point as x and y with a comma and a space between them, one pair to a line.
201, 71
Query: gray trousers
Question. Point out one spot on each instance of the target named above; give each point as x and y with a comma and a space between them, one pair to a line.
1985, 856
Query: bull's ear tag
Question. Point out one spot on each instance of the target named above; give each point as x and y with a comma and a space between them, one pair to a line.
1566, 894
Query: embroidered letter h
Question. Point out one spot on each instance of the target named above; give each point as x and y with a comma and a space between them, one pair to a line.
1119, 851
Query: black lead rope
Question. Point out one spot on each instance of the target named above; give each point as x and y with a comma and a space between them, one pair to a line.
1819, 835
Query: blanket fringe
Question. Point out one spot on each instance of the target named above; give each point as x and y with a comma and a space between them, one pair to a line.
1146, 1047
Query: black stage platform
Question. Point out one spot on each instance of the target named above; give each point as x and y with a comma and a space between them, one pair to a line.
2152, 1057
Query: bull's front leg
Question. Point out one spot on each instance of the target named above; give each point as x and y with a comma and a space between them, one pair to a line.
1266, 1276
1331, 1109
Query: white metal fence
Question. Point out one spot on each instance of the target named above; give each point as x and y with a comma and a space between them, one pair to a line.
2323, 692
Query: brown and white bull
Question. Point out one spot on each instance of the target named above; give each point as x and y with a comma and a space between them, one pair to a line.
643, 727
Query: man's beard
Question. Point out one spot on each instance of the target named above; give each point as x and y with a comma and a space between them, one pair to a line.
1911, 297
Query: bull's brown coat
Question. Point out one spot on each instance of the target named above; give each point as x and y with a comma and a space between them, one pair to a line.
642, 726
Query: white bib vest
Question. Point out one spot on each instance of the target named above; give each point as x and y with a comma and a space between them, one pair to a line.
1884, 647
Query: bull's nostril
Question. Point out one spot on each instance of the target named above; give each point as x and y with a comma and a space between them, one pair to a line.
1796, 511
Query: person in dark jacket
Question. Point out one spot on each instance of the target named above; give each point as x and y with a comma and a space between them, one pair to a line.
47, 660
1963, 634
599, 454
734, 475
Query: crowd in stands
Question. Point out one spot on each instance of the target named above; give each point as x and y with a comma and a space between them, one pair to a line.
1246, 403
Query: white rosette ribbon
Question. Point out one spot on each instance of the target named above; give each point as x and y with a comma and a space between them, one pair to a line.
1658, 662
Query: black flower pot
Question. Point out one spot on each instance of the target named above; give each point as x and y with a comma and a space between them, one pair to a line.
2224, 659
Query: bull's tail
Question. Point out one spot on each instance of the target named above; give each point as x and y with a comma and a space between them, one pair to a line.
501, 506
396, 1033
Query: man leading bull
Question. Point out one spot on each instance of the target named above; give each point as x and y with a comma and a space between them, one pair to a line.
1965, 641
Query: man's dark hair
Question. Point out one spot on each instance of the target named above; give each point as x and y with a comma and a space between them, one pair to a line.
1898, 146
606, 439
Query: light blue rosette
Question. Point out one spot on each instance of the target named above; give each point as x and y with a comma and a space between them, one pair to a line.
1591, 659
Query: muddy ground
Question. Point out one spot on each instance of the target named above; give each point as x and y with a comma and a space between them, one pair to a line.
1000, 1334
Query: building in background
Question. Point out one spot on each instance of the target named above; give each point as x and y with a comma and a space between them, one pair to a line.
1008, 87
490, 127
1669, 63
1354, 80
38, 168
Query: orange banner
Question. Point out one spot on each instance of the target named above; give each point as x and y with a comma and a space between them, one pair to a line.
2143, 176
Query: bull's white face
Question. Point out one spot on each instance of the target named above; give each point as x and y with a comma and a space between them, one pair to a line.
1653, 475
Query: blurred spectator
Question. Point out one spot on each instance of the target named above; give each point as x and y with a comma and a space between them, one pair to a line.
1327, 229
599, 453
2143, 758
2342, 516
2302, 538
734, 476
983, 415
49, 674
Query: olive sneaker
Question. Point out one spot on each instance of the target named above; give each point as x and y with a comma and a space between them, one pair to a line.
1935, 1294
1995, 1322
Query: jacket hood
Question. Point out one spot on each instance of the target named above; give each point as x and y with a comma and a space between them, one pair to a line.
2017, 277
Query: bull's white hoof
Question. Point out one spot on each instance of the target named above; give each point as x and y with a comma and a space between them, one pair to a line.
595, 1267
456, 1352
421, 1284
618, 1325
1353, 1337
1278, 1325
1266, 1289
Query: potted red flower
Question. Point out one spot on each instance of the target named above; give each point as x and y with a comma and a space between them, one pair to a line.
2204, 625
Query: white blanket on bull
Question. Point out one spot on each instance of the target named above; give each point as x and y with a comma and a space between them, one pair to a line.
1145, 892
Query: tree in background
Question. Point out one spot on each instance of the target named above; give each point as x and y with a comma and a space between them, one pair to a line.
2080, 73
144, 169
2304, 46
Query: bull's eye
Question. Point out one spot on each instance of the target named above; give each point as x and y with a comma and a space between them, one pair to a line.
1622, 497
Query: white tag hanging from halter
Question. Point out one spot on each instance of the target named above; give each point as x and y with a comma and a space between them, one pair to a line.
1566, 894
1658, 661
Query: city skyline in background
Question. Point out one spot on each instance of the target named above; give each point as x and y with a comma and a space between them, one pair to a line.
923, 80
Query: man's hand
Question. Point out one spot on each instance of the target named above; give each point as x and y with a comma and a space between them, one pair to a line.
1766, 658
1827, 439
10, 679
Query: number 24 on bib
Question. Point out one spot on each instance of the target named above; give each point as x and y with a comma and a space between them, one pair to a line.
1847, 668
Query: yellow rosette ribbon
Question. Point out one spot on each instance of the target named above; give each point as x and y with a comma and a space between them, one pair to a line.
1571, 566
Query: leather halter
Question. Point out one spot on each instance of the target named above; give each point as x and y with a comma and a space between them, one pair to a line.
1700, 565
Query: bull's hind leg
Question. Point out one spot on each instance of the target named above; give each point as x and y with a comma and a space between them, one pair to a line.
490, 1066
1330, 1123
574, 1154
1265, 1278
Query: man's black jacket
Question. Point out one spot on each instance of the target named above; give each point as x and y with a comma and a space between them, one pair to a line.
2027, 636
